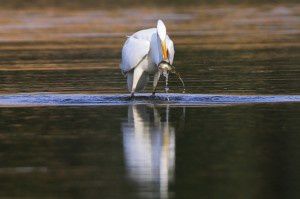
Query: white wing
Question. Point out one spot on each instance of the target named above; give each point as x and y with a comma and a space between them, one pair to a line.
133, 52
171, 50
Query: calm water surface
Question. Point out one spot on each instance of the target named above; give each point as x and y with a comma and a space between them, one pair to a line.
153, 150
139, 151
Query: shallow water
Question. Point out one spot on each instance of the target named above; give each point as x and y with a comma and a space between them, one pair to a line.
68, 128
50, 99
141, 151
229, 49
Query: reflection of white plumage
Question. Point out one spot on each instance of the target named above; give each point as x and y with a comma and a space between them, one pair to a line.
149, 146
142, 53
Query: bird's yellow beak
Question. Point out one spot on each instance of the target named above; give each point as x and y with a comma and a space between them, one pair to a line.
164, 50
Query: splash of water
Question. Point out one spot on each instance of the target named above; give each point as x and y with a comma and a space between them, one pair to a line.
166, 75
179, 77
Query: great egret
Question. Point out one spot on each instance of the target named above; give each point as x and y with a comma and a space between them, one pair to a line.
142, 54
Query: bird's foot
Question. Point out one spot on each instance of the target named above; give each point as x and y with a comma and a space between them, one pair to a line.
132, 96
153, 95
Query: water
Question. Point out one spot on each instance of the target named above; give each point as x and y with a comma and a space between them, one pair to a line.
50, 99
166, 75
150, 151
68, 128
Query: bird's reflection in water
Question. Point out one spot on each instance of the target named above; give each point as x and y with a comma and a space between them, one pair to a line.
149, 147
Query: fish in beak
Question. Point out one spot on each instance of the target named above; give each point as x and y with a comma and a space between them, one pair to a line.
165, 67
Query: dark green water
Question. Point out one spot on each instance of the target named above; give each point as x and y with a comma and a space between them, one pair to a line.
248, 150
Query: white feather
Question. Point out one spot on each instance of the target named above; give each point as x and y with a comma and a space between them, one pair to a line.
170, 47
134, 50
142, 51
161, 30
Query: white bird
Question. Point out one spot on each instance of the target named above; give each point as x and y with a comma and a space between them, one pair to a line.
141, 55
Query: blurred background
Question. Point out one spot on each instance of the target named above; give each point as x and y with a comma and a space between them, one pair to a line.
221, 46
239, 47
129, 3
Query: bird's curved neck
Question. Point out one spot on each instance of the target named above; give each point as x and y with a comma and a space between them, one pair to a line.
155, 49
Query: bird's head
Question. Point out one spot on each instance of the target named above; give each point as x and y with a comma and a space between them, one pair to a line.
162, 34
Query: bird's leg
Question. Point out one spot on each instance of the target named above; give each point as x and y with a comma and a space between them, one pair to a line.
155, 81
138, 72
132, 95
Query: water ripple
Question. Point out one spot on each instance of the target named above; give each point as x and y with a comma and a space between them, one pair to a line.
50, 99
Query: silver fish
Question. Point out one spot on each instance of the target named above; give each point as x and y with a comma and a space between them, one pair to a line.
165, 67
